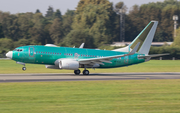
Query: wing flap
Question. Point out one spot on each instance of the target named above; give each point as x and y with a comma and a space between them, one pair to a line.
106, 61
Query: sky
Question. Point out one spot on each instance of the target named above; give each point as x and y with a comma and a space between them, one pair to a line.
23, 6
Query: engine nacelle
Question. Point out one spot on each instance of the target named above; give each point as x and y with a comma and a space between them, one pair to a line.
68, 64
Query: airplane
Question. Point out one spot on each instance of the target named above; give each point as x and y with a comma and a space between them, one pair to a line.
54, 57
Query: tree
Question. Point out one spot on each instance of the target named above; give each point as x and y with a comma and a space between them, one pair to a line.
22, 42
25, 23
119, 5
58, 14
56, 31
37, 32
139, 17
70, 12
10, 26
83, 36
5, 45
134, 23
1, 32
83, 3
67, 21
50, 13
159, 36
96, 17
38, 11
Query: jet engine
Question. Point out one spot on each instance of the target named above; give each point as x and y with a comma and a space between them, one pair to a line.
68, 64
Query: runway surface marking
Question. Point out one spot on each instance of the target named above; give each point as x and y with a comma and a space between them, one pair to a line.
72, 77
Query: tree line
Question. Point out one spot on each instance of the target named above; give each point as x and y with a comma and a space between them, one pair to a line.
94, 22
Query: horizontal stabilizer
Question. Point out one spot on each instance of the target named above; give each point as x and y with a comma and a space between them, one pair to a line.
151, 56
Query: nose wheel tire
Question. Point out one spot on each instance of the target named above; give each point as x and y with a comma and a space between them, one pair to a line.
85, 72
77, 72
24, 68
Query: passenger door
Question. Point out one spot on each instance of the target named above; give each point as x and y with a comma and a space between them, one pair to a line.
31, 54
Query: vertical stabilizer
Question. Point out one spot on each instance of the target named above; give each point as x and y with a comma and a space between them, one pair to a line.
145, 38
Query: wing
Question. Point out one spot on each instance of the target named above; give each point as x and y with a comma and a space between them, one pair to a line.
102, 60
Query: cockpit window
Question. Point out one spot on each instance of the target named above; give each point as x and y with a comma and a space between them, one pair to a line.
19, 50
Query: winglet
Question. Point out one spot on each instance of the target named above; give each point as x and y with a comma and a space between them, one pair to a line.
82, 45
135, 49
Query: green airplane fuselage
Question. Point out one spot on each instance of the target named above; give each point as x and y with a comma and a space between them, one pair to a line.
48, 55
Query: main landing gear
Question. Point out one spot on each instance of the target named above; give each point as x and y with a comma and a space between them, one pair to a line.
85, 72
77, 72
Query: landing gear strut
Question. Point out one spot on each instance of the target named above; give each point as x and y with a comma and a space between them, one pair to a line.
77, 72
24, 68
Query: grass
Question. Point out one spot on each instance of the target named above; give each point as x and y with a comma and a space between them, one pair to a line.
10, 67
134, 96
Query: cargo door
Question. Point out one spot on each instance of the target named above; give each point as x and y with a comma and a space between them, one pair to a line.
126, 59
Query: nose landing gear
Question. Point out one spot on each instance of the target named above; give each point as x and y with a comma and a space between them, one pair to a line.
24, 68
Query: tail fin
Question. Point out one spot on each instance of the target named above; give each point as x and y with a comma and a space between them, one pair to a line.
145, 38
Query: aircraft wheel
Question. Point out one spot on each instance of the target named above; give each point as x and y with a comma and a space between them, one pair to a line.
24, 68
85, 72
77, 72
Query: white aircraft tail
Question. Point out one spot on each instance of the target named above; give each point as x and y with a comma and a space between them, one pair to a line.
145, 39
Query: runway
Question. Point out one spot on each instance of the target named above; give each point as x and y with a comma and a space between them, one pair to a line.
71, 77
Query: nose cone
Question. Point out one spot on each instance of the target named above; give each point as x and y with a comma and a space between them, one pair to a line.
9, 54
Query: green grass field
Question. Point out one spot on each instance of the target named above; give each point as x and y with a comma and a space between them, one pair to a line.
9, 66
134, 96
131, 96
